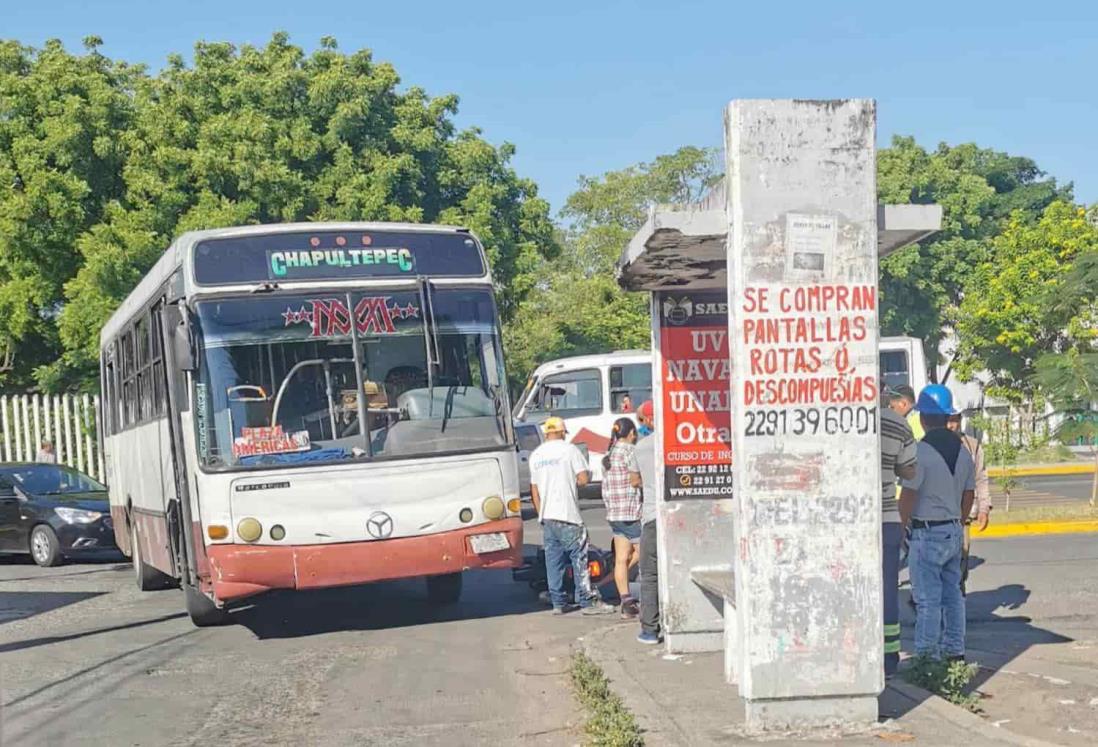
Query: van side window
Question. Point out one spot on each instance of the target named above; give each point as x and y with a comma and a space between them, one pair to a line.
569, 394
630, 386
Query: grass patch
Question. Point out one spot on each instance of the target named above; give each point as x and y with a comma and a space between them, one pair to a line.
1047, 454
948, 680
1079, 511
609, 722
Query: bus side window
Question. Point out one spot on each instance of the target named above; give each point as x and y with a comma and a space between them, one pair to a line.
630, 385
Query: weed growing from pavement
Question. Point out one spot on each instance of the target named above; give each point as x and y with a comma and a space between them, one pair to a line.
947, 679
609, 722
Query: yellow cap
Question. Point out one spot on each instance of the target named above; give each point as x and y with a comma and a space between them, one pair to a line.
554, 425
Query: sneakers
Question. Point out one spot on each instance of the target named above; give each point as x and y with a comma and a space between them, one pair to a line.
598, 608
648, 639
563, 610
630, 608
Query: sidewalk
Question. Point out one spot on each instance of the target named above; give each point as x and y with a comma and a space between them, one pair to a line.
683, 700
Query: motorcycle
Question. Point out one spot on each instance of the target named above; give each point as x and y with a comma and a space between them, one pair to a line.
600, 568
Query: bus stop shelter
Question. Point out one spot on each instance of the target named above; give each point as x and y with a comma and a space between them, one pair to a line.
769, 507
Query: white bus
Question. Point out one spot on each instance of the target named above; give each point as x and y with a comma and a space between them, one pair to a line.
310, 405
591, 391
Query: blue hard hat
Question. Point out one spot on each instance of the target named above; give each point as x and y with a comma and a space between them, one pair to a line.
935, 399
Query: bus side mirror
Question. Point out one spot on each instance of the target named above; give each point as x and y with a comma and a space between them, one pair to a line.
182, 349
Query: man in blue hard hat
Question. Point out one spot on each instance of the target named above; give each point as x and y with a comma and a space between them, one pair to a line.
932, 504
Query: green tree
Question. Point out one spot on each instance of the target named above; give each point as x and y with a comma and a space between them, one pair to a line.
979, 190
243, 135
1071, 381
62, 152
578, 307
1020, 303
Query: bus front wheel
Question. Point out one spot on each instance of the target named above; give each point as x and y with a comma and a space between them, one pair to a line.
204, 613
444, 589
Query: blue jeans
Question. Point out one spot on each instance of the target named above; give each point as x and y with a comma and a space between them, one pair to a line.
935, 565
566, 544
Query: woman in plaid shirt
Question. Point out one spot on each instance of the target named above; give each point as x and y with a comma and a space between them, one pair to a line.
621, 492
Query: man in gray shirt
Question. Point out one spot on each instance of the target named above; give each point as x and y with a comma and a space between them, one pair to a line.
932, 503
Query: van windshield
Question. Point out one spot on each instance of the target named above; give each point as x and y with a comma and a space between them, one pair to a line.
289, 379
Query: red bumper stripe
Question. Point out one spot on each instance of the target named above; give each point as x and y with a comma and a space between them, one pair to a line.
243, 570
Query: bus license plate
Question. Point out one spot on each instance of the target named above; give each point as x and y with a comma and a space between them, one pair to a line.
494, 542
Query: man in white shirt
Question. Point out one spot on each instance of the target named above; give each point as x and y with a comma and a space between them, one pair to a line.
557, 471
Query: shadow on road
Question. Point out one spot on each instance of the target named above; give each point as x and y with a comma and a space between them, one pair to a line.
47, 640
381, 606
48, 574
992, 640
19, 605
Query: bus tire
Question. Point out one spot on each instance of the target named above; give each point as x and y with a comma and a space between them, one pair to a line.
147, 577
445, 589
202, 610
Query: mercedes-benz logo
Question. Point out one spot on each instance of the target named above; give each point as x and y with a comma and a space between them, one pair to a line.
379, 525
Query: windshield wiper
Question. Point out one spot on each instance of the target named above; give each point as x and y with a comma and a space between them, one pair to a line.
265, 288
448, 408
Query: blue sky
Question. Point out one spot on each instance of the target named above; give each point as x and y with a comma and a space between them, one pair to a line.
582, 88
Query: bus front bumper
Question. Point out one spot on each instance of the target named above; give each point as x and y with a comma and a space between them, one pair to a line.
239, 571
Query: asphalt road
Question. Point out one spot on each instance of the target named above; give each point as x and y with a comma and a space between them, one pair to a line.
87, 659
1032, 612
1045, 490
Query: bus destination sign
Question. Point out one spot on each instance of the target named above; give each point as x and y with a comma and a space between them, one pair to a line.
331, 255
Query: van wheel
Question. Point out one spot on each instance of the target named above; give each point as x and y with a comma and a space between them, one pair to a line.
445, 589
45, 548
147, 577
204, 613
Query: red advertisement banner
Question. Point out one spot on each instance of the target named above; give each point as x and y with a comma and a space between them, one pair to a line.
696, 416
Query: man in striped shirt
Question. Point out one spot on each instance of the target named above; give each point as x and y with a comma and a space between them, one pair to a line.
897, 460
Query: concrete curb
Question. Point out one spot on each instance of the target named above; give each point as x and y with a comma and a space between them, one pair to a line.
653, 718
1042, 469
960, 717
1031, 528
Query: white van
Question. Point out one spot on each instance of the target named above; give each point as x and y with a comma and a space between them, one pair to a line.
592, 391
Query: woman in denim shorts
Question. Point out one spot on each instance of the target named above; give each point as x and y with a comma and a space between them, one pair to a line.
621, 492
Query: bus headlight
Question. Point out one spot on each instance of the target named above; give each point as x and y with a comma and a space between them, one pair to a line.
493, 507
249, 530
466, 515
278, 532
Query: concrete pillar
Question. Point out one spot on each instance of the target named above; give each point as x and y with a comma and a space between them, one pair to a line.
802, 265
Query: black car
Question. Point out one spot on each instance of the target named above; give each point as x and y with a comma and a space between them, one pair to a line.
53, 512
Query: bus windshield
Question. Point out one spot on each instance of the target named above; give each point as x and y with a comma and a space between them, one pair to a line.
281, 380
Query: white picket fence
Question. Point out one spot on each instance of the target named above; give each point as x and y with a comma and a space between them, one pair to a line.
68, 421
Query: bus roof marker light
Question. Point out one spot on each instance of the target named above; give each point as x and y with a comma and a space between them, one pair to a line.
249, 529
466, 515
